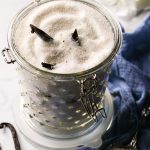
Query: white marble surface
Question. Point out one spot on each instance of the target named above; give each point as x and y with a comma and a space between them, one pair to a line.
8, 77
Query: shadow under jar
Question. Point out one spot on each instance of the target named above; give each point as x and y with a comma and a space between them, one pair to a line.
63, 105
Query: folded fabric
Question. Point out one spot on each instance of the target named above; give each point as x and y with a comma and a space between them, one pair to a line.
129, 84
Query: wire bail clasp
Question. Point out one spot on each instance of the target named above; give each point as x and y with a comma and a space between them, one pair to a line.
87, 96
7, 56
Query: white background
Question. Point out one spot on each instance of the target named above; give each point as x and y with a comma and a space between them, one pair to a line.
8, 76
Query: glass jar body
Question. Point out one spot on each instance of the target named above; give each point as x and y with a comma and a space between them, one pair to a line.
63, 105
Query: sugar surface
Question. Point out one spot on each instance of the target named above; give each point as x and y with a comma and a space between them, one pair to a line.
59, 19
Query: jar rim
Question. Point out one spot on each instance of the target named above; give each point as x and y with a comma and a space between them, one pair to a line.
37, 71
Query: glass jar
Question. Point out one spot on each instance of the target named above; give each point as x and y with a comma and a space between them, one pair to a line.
63, 105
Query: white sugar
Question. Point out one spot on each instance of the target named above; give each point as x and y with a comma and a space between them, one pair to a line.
59, 19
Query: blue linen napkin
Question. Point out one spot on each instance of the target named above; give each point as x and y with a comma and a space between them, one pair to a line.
129, 83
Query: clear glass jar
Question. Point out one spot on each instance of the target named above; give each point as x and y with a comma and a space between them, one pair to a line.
63, 105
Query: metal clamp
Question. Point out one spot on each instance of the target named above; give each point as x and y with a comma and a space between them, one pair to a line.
7, 56
87, 96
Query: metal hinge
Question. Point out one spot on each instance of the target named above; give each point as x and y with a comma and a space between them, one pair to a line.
7, 56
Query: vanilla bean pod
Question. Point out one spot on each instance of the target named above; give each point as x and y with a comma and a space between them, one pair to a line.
75, 37
43, 35
13, 132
